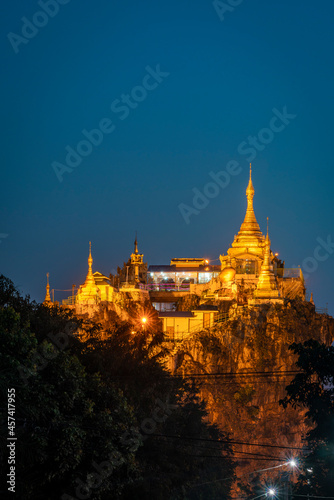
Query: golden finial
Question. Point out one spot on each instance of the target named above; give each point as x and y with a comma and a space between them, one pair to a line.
90, 277
268, 242
250, 189
136, 244
90, 259
47, 300
250, 225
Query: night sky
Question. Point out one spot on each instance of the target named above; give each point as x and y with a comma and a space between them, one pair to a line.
214, 79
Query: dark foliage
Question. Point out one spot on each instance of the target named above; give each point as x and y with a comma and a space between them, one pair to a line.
97, 415
313, 389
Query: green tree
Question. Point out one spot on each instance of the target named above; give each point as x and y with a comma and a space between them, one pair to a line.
67, 422
313, 389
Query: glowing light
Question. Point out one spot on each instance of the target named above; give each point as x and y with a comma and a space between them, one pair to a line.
276, 254
271, 492
206, 262
292, 463
144, 320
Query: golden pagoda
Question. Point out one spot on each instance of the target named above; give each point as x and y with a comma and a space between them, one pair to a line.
247, 250
267, 287
89, 292
47, 301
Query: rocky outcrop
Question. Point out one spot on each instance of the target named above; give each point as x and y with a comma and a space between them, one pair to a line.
243, 367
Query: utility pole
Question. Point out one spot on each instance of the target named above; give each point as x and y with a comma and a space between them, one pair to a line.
286, 486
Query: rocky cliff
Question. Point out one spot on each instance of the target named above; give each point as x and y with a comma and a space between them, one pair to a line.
243, 366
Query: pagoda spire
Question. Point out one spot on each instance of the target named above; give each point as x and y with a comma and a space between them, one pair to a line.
136, 245
266, 286
47, 300
89, 292
90, 278
136, 261
250, 226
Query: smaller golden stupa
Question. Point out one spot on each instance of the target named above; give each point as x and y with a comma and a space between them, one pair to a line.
89, 292
228, 274
266, 287
47, 301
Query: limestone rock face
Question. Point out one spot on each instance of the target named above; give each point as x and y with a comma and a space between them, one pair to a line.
243, 366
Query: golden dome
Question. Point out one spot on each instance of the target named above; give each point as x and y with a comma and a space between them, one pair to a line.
227, 274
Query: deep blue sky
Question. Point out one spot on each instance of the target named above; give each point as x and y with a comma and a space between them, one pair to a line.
225, 78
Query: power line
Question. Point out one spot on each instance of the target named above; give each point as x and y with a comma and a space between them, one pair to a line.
307, 496
232, 458
228, 442
238, 452
239, 374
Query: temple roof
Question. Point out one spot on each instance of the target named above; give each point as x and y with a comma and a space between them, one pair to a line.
174, 269
176, 314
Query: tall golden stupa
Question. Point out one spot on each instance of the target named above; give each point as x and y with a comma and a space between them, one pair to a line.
247, 251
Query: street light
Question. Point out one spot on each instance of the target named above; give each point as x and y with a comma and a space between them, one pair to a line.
143, 322
270, 493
